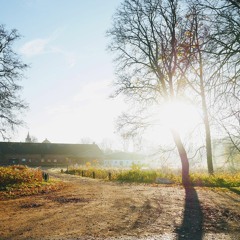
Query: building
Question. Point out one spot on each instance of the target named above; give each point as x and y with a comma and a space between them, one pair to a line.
28, 138
48, 154
123, 159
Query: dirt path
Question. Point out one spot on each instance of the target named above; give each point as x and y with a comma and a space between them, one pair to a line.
95, 209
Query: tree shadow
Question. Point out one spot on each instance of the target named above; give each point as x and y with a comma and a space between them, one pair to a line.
235, 190
192, 224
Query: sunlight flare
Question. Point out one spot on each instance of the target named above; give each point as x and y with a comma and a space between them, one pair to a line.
179, 115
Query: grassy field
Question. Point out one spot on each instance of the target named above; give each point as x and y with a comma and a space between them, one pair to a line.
23, 181
228, 180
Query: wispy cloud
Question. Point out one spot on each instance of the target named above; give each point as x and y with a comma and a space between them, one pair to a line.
34, 47
93, 92
41, 46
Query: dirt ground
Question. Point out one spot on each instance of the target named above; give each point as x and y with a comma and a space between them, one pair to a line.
96, 209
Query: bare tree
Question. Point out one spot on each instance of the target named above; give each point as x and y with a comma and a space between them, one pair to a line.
86, 140
225, 37
11, 71
34, 139
106, 146
144, 36
235, 3
229, 120
227, 43
224, 16
196, 67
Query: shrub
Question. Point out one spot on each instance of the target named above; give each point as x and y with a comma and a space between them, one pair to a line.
18, 175
16, 181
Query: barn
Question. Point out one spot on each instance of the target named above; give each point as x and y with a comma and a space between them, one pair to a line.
48, 154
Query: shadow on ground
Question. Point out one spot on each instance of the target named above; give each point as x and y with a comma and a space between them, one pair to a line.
235, 190
192, 224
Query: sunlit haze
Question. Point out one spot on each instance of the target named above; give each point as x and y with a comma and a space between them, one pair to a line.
180, 115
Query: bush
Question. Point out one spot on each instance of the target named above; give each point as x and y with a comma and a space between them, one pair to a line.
18, 175
17, 181
137, 175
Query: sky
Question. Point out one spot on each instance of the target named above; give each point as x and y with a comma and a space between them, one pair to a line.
69, 81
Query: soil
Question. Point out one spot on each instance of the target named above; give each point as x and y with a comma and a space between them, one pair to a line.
97, 209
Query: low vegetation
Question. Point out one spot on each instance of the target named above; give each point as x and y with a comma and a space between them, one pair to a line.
136, 174
18, 181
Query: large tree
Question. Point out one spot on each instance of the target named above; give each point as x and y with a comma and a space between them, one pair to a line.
196, 66
144, 36
11, 71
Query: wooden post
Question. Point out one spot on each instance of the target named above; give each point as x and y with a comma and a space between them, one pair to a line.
82, 173
93, 174
110, 176
45, 176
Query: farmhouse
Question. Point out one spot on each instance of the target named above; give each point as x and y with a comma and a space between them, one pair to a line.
48, 154
123, 159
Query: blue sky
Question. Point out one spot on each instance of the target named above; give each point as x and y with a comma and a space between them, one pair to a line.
69, 80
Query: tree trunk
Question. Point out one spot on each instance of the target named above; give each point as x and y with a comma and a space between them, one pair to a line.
183, 156
205, 119
207, 138
203, 98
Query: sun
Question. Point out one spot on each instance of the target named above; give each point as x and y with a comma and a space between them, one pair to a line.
179, 115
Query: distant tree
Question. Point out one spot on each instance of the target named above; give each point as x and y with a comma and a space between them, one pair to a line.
227, 43
106, 146
86, 140
34, 139
131, 127
144, 36
11, 71
196, 66
224, 16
